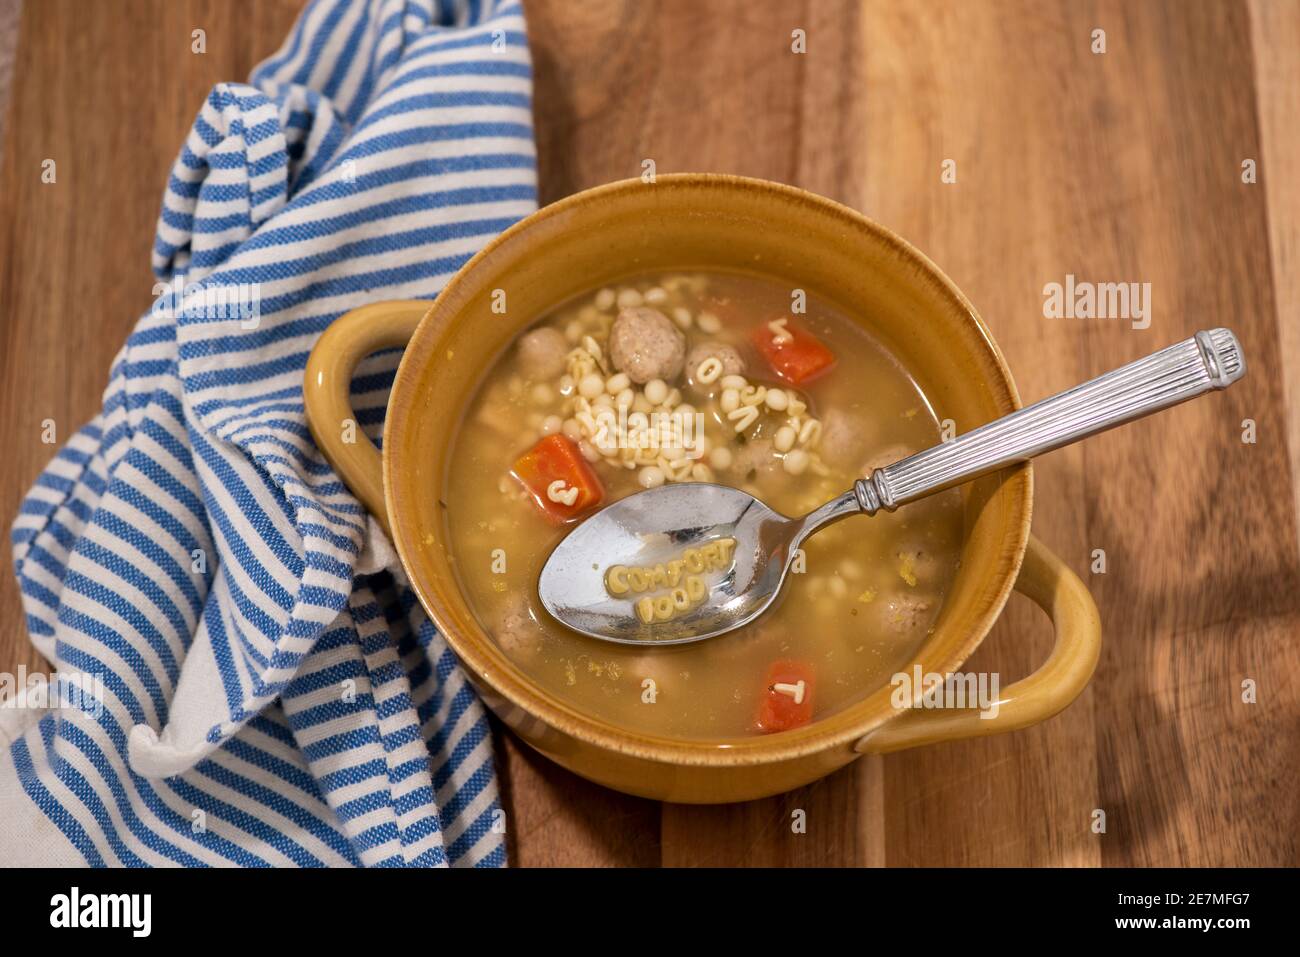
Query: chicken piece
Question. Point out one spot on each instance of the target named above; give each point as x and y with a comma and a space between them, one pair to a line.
645, 344
542, 354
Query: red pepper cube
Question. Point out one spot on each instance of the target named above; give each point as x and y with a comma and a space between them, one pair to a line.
787, 697
554, 460
797, 357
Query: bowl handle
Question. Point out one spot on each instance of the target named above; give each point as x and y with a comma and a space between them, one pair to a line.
327, 385
1046, 580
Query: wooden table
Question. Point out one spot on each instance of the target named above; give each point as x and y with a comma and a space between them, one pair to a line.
1122, 166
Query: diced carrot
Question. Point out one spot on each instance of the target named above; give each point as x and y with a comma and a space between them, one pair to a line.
551, 471
798, 357
787, 697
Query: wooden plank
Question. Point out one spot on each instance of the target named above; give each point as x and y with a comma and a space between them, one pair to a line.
693, 87
968, 803
1275, 43
1123, 166
556, 819
713, 87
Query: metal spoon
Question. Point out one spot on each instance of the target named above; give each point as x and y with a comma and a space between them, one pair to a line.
646, 533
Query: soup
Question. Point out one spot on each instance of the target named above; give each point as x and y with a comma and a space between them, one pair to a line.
713, 377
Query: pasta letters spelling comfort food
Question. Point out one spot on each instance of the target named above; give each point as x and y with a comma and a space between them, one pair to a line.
682, 580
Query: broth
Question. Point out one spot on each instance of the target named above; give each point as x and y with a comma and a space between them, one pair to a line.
868, 590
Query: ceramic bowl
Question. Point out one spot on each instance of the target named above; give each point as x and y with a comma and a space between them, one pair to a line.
701, 222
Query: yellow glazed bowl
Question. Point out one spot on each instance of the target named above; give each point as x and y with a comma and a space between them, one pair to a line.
701, 222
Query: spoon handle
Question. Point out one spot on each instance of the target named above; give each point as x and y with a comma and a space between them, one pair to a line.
1207, 361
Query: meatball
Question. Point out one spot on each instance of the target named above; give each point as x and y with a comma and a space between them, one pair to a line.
542, 353
732, 363
906, 613
645, 344
518, 634
755, 457
916, 564
842, 442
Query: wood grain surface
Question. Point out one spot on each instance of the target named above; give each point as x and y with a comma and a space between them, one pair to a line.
1124, 166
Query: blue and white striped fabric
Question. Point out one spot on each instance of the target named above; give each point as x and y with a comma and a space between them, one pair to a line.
273, 692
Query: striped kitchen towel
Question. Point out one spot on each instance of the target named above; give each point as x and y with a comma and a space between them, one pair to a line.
258, 684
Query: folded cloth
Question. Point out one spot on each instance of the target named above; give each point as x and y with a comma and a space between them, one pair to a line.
268, 690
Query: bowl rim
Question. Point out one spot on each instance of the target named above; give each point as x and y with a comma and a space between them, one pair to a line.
483, 660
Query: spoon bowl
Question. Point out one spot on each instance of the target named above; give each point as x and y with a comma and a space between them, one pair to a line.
656, 527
